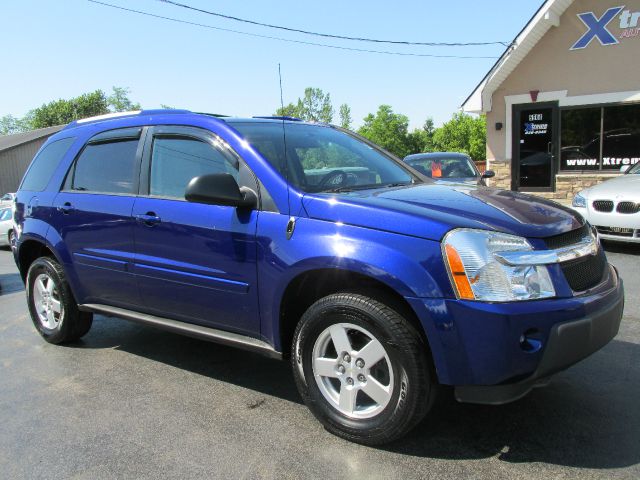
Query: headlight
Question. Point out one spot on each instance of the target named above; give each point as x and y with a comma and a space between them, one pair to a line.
477, 275
579, 201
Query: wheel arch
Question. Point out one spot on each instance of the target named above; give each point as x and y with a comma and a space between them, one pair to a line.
30, 249
311, 285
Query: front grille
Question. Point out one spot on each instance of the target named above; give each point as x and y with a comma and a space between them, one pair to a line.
628, 207
585, 272
603, 205
568, 238
582, 273
618, 231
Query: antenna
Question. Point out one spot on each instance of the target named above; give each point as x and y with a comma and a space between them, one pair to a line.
284, 139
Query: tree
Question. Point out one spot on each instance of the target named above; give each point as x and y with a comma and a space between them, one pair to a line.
389, 130
62, 111
463, 133
421, 140
345, 116
119, 100
59, 112
315, 106
289, 110
10, 125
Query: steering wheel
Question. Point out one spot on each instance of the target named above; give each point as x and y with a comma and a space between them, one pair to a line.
337, 178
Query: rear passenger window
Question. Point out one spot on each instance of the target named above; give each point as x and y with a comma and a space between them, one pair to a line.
108, 167
44, 165
176, 160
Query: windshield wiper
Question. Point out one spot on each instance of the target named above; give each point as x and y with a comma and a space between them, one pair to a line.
369, 186
397, 184
350, 188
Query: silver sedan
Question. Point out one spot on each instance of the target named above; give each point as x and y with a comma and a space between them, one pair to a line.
613, 207
6, 227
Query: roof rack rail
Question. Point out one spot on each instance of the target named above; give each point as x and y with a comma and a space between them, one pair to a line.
217, 115
276, 117
133, 113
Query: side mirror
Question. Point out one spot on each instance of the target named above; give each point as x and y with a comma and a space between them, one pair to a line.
624, 168
219, 189
489, 174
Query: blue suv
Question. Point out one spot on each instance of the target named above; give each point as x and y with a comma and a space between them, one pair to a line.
305, 241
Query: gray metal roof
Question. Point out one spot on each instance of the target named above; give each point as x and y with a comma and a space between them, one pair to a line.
10, 141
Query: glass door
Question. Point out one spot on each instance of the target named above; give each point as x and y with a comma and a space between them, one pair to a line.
534, 144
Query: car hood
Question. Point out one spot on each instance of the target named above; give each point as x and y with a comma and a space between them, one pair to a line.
431, 210
625, 187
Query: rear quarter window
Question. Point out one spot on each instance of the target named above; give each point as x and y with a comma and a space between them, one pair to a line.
44, 164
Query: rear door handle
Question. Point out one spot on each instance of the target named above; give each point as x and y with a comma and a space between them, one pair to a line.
66, 208
149, 219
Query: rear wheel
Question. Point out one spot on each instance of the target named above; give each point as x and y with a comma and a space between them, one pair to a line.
53, 309
11, 238
362, 369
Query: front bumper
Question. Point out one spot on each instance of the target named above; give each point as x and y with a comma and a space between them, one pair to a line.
496, 353
567, 344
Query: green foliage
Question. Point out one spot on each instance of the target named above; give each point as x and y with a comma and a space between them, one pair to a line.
119, 100
62, 111
389, 130
289, 110
463, 133
315, 106
345, 116
10, 125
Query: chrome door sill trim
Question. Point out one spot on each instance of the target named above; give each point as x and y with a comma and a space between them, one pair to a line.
188, 329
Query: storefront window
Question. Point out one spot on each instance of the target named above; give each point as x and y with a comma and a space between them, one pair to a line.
621, 136
580, 139
599, 138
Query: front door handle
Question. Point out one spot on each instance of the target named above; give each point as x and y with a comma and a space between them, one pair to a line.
149, 219
66, 208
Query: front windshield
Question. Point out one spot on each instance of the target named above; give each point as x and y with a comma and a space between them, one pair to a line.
635, 169
444, 167
323, 159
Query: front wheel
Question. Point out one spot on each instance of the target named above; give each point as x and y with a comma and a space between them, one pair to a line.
362, 369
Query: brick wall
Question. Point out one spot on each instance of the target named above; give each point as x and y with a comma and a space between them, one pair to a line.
503, 175
567, 184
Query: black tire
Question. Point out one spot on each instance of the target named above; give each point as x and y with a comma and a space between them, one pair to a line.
414, 385
72, 323
10, 238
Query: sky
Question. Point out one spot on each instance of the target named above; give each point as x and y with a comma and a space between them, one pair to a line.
60, 49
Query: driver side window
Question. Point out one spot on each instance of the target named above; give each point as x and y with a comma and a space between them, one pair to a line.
175, 160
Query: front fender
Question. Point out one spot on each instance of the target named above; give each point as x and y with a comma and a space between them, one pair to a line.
411, 266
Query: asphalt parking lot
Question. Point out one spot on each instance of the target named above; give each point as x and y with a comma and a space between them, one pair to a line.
132, 402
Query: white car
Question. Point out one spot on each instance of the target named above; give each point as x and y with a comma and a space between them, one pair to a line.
6, 227
613, 207
7, 199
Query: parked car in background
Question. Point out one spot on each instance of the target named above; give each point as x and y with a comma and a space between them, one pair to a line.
308, 242
7, 199
6, 227
613, 207
450, 167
